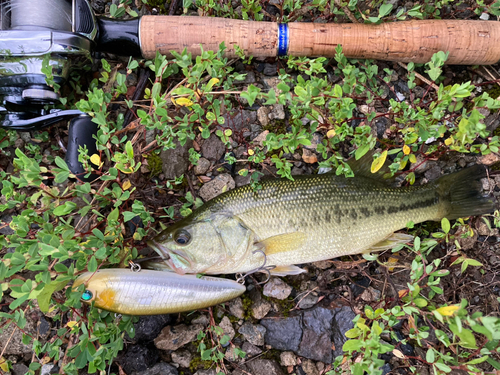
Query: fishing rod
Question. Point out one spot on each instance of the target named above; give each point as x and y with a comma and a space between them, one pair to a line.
62, 33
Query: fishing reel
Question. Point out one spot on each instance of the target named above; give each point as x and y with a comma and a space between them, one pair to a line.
37, 37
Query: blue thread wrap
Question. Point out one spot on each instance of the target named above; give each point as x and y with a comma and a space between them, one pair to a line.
283, 39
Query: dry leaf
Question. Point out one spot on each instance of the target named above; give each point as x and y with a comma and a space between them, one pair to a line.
398, 353
331, 133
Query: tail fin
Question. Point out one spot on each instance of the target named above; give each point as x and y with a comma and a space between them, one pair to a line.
461, 193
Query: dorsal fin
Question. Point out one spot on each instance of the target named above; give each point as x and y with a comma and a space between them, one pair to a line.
363, 166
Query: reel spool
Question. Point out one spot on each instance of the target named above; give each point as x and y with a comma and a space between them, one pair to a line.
35, 35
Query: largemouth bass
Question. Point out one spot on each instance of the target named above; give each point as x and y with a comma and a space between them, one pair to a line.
313, 218
153, 292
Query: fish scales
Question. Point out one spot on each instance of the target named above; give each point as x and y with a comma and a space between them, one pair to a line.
309, 219
339, 216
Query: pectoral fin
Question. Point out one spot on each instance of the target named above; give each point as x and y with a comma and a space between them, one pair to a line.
390, 242
286, 270
282, 243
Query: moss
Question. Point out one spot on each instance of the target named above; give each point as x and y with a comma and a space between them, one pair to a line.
155, 164
161, 5
197, 363
285, 305
276, 127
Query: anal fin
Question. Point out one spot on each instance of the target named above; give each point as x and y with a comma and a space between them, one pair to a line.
390, 242
286, 270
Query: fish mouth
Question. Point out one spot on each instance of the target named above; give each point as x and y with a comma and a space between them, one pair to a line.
177, 260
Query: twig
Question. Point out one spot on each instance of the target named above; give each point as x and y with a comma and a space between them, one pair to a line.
347, 12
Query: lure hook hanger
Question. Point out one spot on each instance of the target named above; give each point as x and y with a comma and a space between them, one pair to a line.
265, 269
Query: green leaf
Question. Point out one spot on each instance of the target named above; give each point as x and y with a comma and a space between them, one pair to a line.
384, 10
352, 345
44, 297
92, 266
64, 209
445, 224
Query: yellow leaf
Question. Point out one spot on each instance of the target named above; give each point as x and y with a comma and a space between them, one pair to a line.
96, 159
448, 141
250, 152
448, 310
45, 360
412, 158
4, 365
331, 133
391, 263
379, 162
71, 323
126, 184
406, 149
184, 102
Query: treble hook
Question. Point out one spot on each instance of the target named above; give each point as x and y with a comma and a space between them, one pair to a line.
134, 267
263, 268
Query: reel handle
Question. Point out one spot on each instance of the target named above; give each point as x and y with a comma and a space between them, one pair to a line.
469, 42
80, 133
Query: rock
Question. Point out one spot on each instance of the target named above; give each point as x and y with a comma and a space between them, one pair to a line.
201, 166
489, 159
260, 138
271, 83
261, 366
260, 309
277, 112
316, 340
253, 333
340, 325
309, 367
240, 120
309, 157
270, 69
182, 357
213, 148
16, 346
172, 338
249, 78
371, 295
283, 334
218, 185
433, 173
227, 327
308, 301
160, 368
386, 369
148, 327
19, 368
263, 115
236, 308
231, 355
288, 359
6, 230
175, 162
138, 358
210, 371
250, 349
277, 288
202, 319
47, 369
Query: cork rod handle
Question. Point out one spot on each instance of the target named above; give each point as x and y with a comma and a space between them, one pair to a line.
469, 42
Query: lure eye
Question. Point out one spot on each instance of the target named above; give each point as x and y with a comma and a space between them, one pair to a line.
182, 237
87, 295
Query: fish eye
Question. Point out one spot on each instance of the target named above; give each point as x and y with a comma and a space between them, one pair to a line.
87, 295
182, 237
